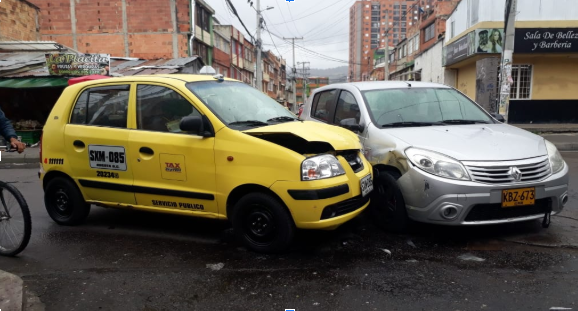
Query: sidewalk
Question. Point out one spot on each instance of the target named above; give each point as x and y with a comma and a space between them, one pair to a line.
11, 292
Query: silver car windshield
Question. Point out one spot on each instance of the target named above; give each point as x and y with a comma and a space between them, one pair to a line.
422, 107
240, 105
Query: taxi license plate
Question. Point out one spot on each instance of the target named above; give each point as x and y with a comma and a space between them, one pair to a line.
518, 197
366, 185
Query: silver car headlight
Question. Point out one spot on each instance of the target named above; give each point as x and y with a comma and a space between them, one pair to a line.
321, 167
556, 160
437, 164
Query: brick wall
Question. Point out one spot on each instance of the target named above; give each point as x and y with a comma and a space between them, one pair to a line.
18, 21
100, 29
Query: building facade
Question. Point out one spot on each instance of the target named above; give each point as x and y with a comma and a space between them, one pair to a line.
19, 21
369, 21
222, 50
148, 29
304, 90
545, 86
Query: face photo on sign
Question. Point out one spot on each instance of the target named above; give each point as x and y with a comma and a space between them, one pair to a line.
496, 41
483, 42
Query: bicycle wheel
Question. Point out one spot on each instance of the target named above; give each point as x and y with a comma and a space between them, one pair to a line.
15, 223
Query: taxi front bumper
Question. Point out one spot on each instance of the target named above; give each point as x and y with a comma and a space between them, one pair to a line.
327, 203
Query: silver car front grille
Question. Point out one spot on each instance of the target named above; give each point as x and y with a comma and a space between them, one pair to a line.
506, 172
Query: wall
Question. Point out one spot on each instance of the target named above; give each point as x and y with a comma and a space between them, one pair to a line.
493, 10
553, 77
466, 81
430, 63
147, 29
18, 21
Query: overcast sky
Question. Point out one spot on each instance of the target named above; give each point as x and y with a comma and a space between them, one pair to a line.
323, 24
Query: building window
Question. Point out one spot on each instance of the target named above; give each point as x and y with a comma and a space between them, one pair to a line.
203, 18
522, 86
474, 9
452, 29
429, 32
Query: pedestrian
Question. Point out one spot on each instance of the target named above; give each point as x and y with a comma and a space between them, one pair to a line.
7, 131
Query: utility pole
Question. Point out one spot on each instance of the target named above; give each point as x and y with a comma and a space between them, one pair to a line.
507, 59
294, 74
258, 48
305, 74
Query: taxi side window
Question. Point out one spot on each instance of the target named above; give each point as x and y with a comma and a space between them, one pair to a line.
324, 105
161, 109
347, 108
102, 106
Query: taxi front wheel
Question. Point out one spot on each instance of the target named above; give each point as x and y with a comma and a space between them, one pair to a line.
262, 223
64, 202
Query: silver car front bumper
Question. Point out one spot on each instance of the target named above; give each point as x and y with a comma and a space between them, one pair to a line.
432, 199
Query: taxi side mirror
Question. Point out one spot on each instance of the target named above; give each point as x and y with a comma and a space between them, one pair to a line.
192, 125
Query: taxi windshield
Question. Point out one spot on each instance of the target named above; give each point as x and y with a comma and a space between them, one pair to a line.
240, 105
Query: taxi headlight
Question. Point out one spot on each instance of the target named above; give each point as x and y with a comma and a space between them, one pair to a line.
437, 164
556, 160
320, 167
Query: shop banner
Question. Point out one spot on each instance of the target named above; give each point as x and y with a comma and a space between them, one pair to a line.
458, 50
69, 64
546, 40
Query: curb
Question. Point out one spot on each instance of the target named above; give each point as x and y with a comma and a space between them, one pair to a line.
11, 292
567, 147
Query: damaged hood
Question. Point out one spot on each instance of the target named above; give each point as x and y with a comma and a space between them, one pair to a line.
479, 142
311, 132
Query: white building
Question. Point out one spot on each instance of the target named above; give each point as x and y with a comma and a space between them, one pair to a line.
545, 87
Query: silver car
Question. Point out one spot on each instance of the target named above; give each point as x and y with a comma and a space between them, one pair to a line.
440, 158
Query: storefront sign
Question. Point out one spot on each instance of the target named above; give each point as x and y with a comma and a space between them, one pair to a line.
489, 41
69, 64
546, 40
457, 50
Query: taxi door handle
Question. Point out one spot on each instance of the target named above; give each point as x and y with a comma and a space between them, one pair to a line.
146, 150
78, 143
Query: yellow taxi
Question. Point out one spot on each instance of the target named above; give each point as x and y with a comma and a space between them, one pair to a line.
197, 145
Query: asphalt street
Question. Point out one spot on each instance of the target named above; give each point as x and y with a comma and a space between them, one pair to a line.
126, 260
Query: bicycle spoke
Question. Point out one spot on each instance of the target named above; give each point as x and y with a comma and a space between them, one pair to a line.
6, 234
4, 202
15, 237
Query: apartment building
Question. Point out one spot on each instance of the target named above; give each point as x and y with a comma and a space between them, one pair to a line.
369, 21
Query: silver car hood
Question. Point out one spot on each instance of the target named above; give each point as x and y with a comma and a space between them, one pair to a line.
476, 142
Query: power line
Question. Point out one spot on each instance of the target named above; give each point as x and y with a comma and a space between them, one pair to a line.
291, 15
267, 27
307, 14
232, 8
315, 53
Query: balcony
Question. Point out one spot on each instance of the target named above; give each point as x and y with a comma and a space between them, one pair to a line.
249, 66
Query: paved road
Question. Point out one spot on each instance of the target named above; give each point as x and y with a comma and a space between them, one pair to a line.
124, 260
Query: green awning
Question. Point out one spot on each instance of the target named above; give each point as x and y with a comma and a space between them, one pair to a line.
26, 83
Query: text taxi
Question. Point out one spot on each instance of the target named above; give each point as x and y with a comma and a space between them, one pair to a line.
200, 146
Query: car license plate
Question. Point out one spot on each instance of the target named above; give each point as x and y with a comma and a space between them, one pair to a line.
518, 197
366, 185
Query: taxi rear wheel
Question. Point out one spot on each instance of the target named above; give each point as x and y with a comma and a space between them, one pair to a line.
64, 202
262, 223
387, 204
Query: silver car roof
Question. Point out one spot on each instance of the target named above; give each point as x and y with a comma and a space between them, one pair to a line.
376, 85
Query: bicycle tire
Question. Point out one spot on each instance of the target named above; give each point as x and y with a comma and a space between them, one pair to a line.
26, 219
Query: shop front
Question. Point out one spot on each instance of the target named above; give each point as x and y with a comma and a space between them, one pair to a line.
545, 86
